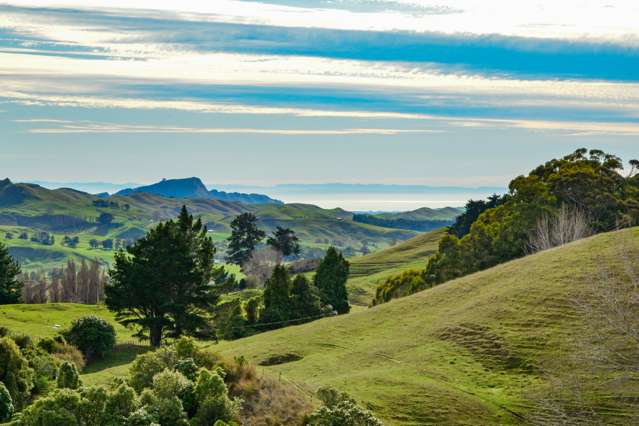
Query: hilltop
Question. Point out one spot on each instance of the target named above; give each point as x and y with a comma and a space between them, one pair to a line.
32, 209
466, 352
367, 272
193, 188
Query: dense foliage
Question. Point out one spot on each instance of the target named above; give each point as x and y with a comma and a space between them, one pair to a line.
10, 286
330, 279
245, 236
285, 241
401, 223
590, 182
401, 285
474, 208
94, 336
176, 385
162, 283
340, 410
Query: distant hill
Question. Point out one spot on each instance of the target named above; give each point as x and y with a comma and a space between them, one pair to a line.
31, 209
193, 188
423, 220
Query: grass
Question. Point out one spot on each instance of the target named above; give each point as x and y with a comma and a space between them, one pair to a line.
367, 272
470, 351
32, 209
466, 352
48, 320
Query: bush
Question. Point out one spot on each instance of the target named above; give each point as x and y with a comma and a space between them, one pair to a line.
65, 352
401, 285
94, 336
147, 365
340, 410
6, 403
68, 376
15, 372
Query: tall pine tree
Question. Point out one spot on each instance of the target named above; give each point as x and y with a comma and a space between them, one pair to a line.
245, 235
330, 280
161, 285
10, 286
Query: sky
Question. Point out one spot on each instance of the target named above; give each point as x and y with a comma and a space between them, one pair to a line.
268, 92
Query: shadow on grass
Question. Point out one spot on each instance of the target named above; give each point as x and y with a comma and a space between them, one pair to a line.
124, 353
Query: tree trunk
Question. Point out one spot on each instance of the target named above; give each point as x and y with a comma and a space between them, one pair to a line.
155, 335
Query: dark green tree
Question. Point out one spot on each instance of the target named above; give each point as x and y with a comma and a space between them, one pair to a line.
6, 403
94, 336
330, 280
277, 296
161, 284
306, 304
285, 241
245, 235
68, 377
10, 286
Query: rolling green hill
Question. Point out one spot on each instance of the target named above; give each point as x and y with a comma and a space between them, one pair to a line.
470, 351
476, 350
65, 212
367, 272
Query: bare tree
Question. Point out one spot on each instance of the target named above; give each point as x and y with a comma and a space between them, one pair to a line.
563, 227
260, 266
600, 362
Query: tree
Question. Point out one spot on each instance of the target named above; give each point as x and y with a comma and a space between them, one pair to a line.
260, 266
10, 286
15, 372
277, 296
94, 336
6, 403
285, 241
245, 235
161, 284
330, 280
68, 377
105, 219
306, 304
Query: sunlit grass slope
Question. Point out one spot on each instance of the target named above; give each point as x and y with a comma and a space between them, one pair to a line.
367, 272
465, 352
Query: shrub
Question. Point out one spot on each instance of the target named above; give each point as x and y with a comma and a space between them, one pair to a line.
401, 285
94, 336
187, 367
15, 372
120, 403
6, 403
62, 407
65, 352
147, 365
213, 401
342, 410
68, 377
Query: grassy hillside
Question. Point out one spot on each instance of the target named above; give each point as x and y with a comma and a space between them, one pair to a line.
467, 352
369, 271
65, 212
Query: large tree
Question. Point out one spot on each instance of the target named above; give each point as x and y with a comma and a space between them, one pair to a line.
245, 235
277, 296
10, 285
162, 283
330, 280
285, 241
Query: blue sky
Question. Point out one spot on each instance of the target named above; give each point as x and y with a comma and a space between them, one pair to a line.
294, 91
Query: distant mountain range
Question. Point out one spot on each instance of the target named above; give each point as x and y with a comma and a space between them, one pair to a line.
194, 188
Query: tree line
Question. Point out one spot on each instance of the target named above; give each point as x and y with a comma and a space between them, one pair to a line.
73, 283
558, 202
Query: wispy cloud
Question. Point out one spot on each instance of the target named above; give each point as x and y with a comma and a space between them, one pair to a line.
104, 128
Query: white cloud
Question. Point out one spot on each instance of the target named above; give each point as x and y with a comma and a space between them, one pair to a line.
103, 128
